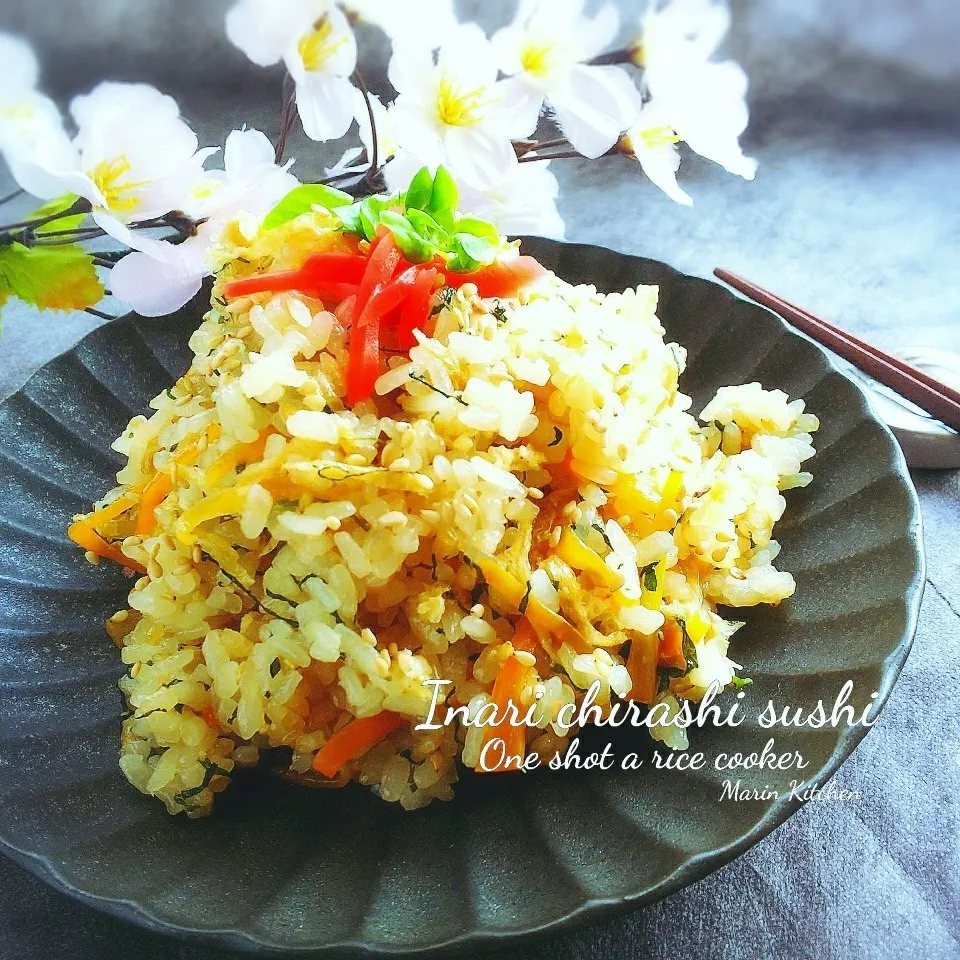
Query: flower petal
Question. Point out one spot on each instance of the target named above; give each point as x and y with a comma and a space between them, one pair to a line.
153, 288
434, 19
39, 152
683, 29
383, 119
264, 29
416, 134
477, 158
156, 249
660, 164
336, 53
113, 101
595, 107
523, 202
507, 46
519, 108
20, 69
707, 106
468, 58
401, 169
409, 70
41, 181
325, 104
596, 33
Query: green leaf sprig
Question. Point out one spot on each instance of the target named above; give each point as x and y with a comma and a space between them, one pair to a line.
423, 220
302, 200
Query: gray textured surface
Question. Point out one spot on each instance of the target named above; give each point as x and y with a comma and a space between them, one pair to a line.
855, 214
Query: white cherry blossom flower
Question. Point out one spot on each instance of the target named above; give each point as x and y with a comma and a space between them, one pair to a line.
654, 142
314, 40
133, 158
703, 100
547, 49
161, 277
30, 123
523, 202
453, 110
321, 63
424, 25
265, 29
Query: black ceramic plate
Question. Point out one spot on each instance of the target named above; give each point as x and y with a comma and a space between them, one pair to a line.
284, 869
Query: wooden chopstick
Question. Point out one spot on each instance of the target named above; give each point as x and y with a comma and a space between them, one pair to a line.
928, 393
780, 305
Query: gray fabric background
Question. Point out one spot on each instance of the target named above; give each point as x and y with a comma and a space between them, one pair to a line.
855, 214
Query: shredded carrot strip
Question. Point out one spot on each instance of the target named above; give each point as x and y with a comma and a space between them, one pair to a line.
670, 652
210, 718
83, 535
542, 618
506, 689
111, 511
354, 740
525, 638
281, 489
154, 494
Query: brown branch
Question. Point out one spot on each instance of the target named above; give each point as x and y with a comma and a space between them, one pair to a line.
623, 55
562, 155
524, 147
80, 206
286, 117
340, 177
175, 220
374, 148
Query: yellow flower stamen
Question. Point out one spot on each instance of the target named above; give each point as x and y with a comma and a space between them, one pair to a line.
656, 137
460, 108
17, 110
318, 46
539, 57
108, 175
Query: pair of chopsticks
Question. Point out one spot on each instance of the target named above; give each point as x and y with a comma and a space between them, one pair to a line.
928, 393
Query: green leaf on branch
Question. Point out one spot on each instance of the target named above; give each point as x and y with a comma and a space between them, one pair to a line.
55, 206
302, 200
52, 278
